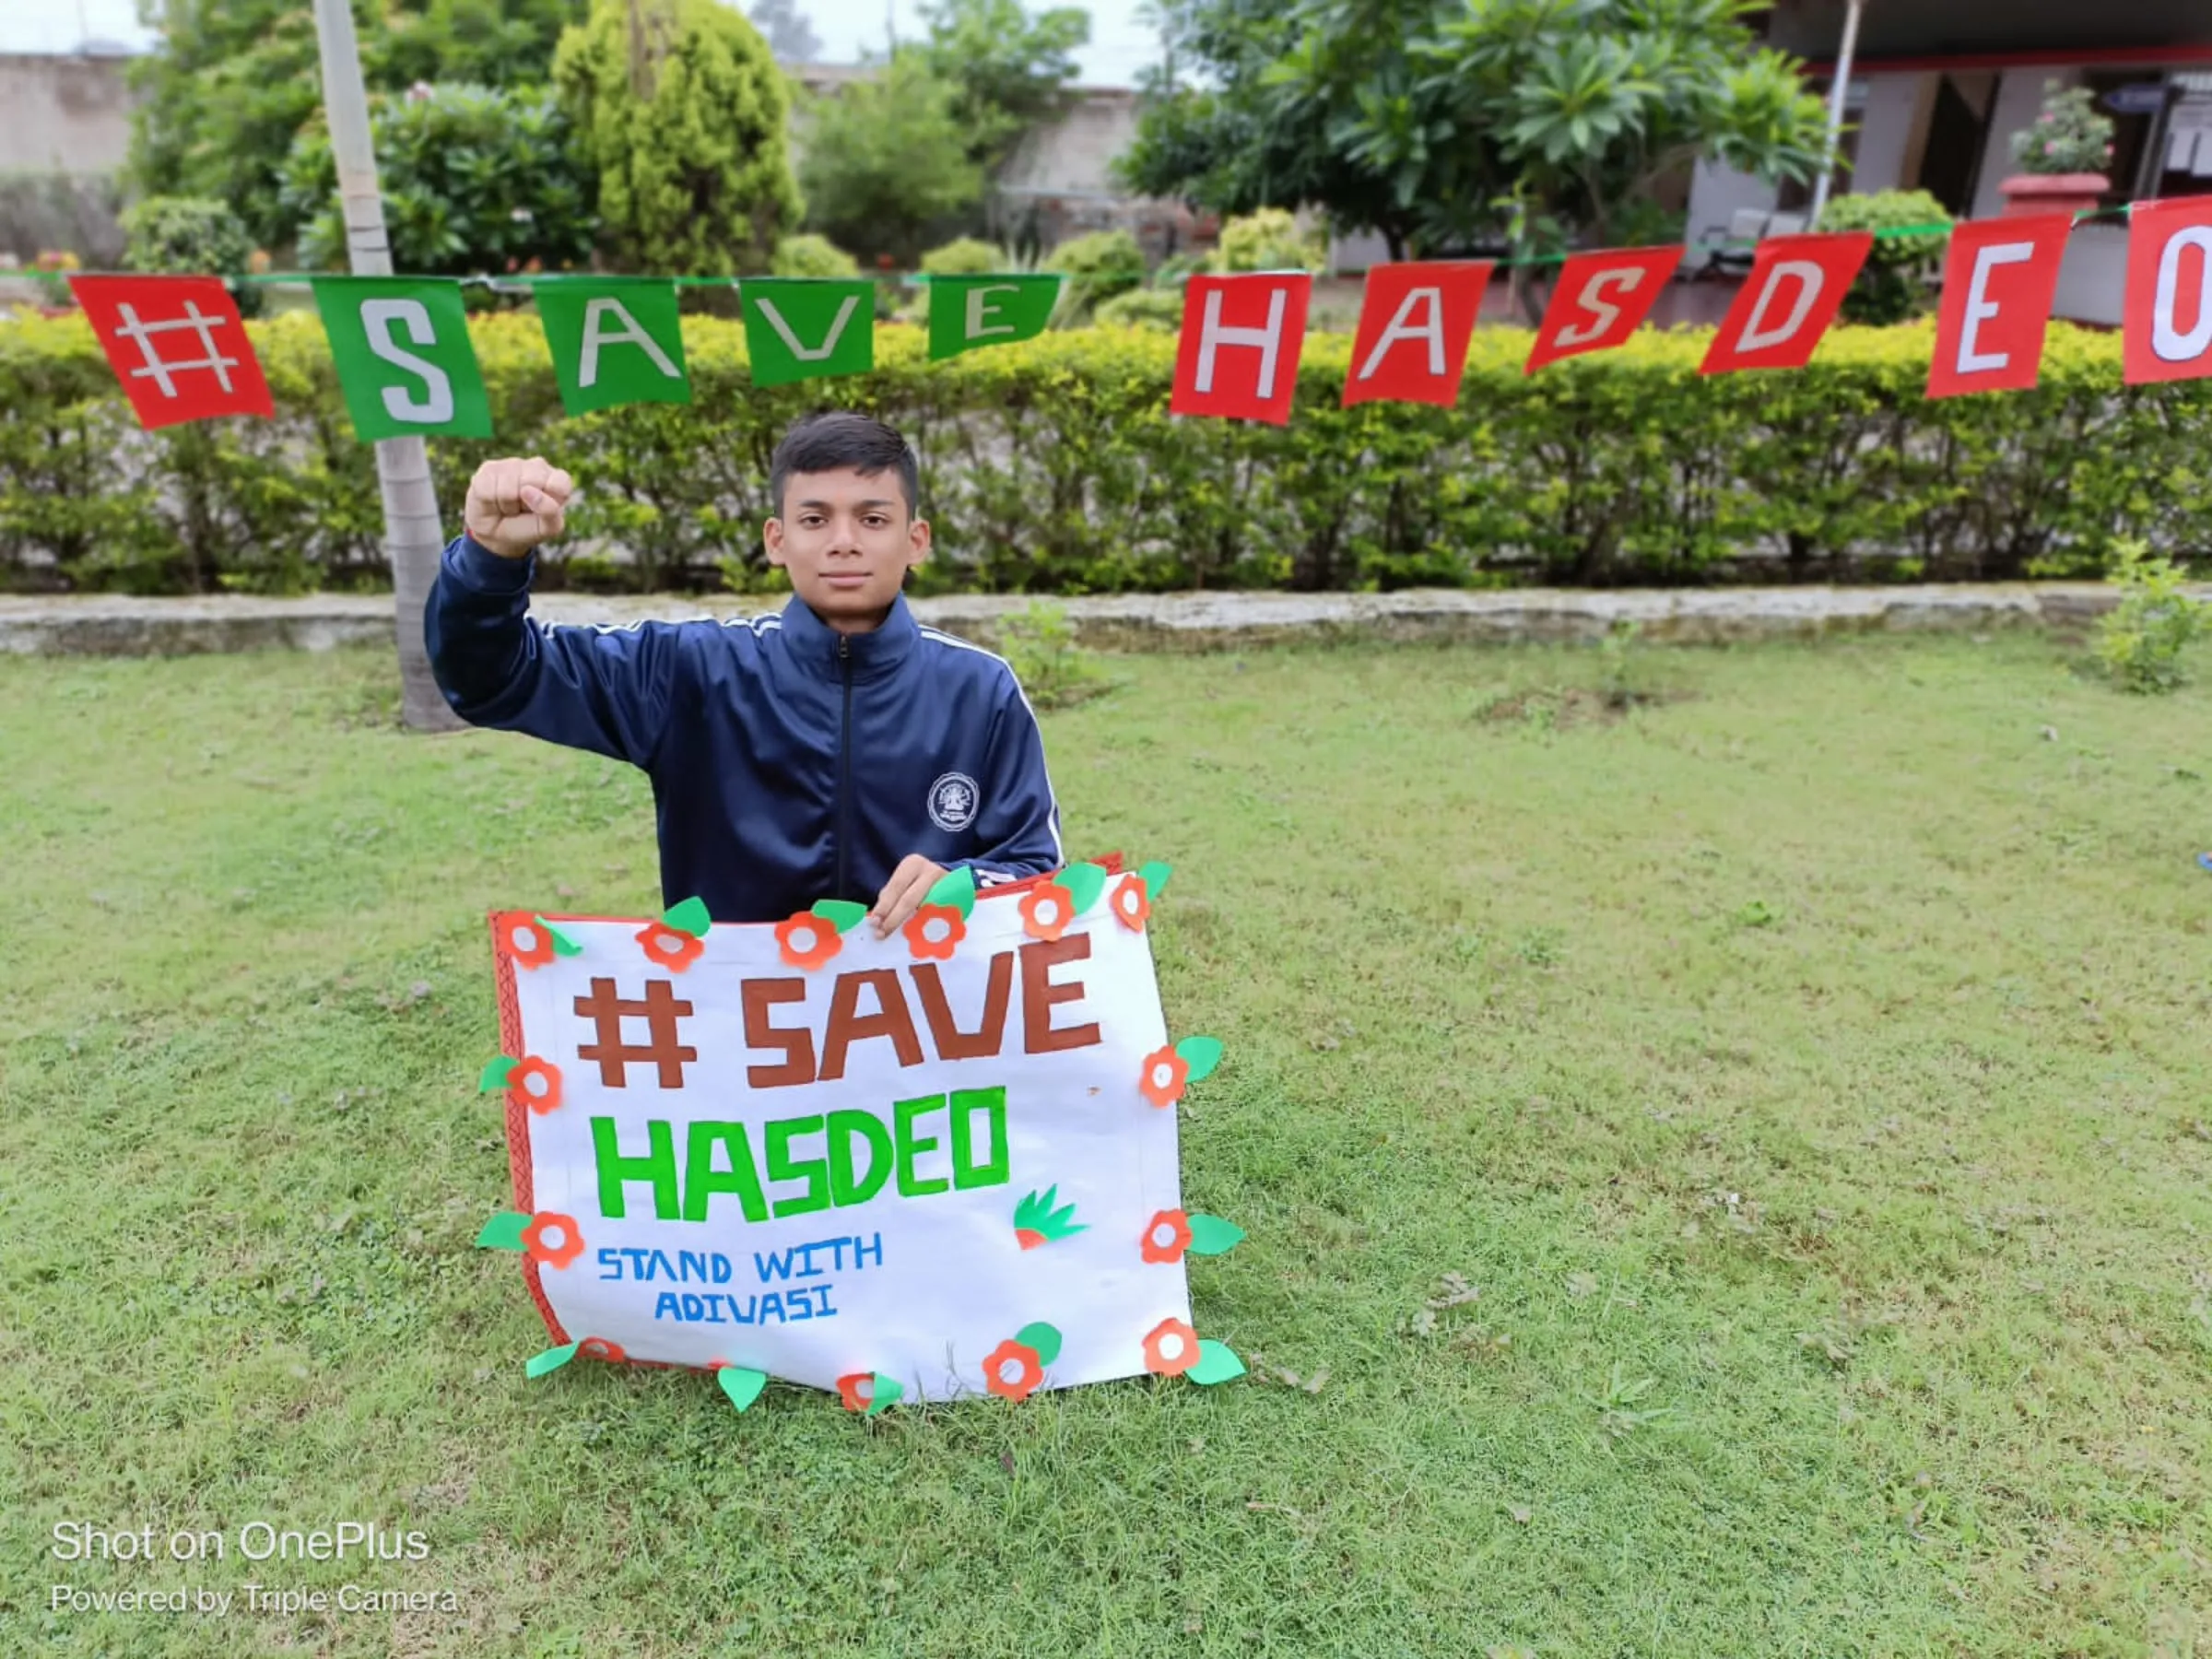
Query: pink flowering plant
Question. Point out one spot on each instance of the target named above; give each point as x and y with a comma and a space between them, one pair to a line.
2070, 136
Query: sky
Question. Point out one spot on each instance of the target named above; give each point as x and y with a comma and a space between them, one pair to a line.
1120, 43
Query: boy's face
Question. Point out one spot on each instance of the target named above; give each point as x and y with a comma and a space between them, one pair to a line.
848, 540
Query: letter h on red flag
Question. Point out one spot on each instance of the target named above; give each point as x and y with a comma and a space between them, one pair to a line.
177, 346
1241, 338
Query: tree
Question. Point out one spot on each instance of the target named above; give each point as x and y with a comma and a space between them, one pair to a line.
1534, 124
789, 33
884, 159
681, 110
1009, 70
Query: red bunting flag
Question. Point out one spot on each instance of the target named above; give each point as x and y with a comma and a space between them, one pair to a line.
1415, 321
2169, 290
1997, 287
1600, 299
177, 346
1241, 338
1795, 286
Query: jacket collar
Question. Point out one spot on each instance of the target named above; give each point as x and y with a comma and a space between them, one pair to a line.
814, 643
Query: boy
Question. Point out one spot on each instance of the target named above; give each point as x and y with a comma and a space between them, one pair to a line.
838, 750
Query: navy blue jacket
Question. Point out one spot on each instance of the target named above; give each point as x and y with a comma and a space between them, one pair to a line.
789, 762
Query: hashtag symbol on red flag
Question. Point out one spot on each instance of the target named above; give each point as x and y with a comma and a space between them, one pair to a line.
176, 345
162, 371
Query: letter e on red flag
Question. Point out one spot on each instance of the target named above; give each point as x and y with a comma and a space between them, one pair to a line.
1786, 305
1997, 286
1241, 338
177, 346
1415, 320
2169, 290
1600, 299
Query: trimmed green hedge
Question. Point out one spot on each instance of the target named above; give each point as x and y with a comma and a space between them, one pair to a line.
1052, 466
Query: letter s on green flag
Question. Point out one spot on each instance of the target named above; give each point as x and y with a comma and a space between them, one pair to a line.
403, 356
799, 328
966, 312
615, 340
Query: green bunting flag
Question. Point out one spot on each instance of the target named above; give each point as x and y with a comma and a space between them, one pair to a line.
800, 328
405, 364
966, 312
615, 340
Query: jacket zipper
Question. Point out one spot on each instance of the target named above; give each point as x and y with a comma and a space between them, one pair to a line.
845, 766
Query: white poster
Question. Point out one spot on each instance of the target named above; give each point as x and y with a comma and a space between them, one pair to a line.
919, 1168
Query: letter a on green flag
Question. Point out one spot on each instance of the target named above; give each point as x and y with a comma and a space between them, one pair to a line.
404, 360
615, 340
969, 311
797, 328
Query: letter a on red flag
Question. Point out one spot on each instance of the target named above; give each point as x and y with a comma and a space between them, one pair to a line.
1414, 323
1997, 287
1600, 301
1796, 283
177, 346
2169, 290
1241, 338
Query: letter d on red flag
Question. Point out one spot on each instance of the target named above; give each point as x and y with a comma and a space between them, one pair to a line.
1795, 285
2169, 290
1241, 338
1600, 301
1997, 287
1414, 323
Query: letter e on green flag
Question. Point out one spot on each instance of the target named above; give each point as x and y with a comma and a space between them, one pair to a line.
797, 328
615, 340
969, 311
404, 360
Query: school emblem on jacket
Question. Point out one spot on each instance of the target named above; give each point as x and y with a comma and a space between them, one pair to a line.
952, 802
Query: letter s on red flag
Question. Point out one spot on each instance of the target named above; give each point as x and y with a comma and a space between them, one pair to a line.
1600, 301
1795, 285
1997, 287
2169, 290
1241, 338
177, 346
1415, 320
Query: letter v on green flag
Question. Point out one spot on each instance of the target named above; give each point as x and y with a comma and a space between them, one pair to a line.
799, 328
966, 312
615, 340
401, 347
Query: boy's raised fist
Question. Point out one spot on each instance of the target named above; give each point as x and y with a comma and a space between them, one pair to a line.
513, 505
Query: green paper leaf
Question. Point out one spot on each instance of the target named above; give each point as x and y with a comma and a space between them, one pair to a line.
562, 943
496, 1073
844, 915
1042, 1339
504, 1231
552, 1360
1155, 877
691, 917
884, 1391
1084, 883
1216, 1363
742, 1385
1202, 1053
955, 889
1212, 1236
1046, 1216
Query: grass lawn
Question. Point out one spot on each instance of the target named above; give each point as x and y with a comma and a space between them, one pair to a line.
1811, 1073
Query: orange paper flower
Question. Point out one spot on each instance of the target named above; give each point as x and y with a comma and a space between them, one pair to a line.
807, 941
535, 1083
1046, 911
1165, 1073
935, 932
599, 1347
1167, 1235
672, 947
521, 939
856, 1391
1171, 1348
552, 1239
1021, 1360
1131, 903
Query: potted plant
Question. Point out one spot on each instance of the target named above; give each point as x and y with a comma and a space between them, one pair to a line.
2061, 157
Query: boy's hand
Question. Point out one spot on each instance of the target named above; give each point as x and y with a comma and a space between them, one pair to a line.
904, 894
513, 505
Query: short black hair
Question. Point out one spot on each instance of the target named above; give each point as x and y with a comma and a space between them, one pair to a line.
839, 440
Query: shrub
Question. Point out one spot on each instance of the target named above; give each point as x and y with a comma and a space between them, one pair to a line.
1147, 308
811, 255
2141, 640
1270, 241
194, 236
1896, 284
1097, 267
1039, 646
963, 256
884, 160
